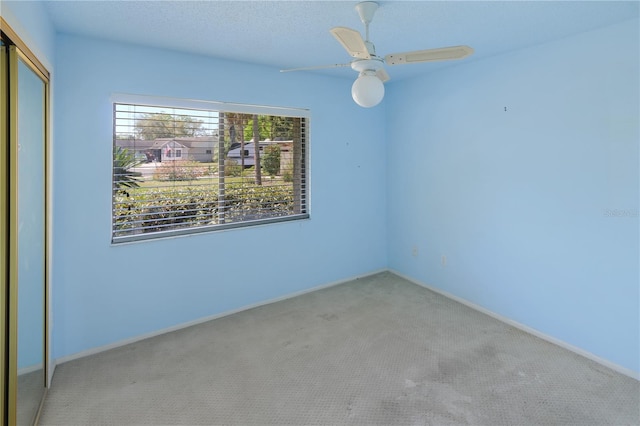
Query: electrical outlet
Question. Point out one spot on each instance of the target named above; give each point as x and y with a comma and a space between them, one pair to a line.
414, 251
444, 260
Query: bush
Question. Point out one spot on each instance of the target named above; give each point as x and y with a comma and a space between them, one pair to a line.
180, 170
232, 168
250, 202
249, 171
161, 209
178, 208
287, 176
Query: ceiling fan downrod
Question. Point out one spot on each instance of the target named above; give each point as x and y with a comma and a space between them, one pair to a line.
366, 10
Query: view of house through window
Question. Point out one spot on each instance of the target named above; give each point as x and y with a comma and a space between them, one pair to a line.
178, 170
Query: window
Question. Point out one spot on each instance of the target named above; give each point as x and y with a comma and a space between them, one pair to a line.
190, 166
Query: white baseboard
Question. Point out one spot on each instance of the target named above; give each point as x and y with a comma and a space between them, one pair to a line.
30, 369
618, 368
119, 343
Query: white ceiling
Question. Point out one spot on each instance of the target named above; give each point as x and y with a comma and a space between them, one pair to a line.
287, 34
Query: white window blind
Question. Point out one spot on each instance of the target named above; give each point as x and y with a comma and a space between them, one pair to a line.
181, 169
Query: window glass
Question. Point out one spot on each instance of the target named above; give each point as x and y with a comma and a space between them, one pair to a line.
184, 170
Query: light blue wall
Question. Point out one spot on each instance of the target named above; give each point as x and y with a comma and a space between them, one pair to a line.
30, 20
106, 293
535, 207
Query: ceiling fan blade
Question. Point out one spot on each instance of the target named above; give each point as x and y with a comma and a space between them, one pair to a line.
429, 55
320, 67
382, 75
352, 41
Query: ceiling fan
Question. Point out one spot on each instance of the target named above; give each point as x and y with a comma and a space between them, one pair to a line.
368, 89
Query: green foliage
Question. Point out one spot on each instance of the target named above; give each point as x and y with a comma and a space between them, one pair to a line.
250, 202
271, 160
180, 170
271, 127
123, 177
162, 125
232, 168
235, 125
158, 209
287, 176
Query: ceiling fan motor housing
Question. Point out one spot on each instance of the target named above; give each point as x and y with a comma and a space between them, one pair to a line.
373, 64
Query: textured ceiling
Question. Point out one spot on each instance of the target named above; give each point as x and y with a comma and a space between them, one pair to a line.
287, 34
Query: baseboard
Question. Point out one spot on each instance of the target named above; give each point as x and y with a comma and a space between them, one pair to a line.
94, 351
615, 367
30, 369
36, 421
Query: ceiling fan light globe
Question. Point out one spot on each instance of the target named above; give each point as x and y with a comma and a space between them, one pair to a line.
367, 91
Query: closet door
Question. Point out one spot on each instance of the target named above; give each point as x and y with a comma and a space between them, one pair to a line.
31, 223
24, 204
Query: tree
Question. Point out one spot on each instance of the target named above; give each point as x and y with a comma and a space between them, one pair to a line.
256, 149
271, 159
272, 127
162, 125
235, 119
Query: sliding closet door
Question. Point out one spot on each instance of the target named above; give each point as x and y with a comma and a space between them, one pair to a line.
24, 240
24, 99
31, 223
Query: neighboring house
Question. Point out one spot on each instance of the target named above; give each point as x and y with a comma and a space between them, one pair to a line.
171, 149
286, 152
199, 148
141, 148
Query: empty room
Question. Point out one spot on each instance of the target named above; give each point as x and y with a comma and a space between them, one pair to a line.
320, 212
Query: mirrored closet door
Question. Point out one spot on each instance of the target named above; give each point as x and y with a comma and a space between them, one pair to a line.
24, 225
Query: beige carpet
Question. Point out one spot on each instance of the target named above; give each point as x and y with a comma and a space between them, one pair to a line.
374, 351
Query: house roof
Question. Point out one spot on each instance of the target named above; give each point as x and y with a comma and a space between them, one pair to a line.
188, 142
201, 141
